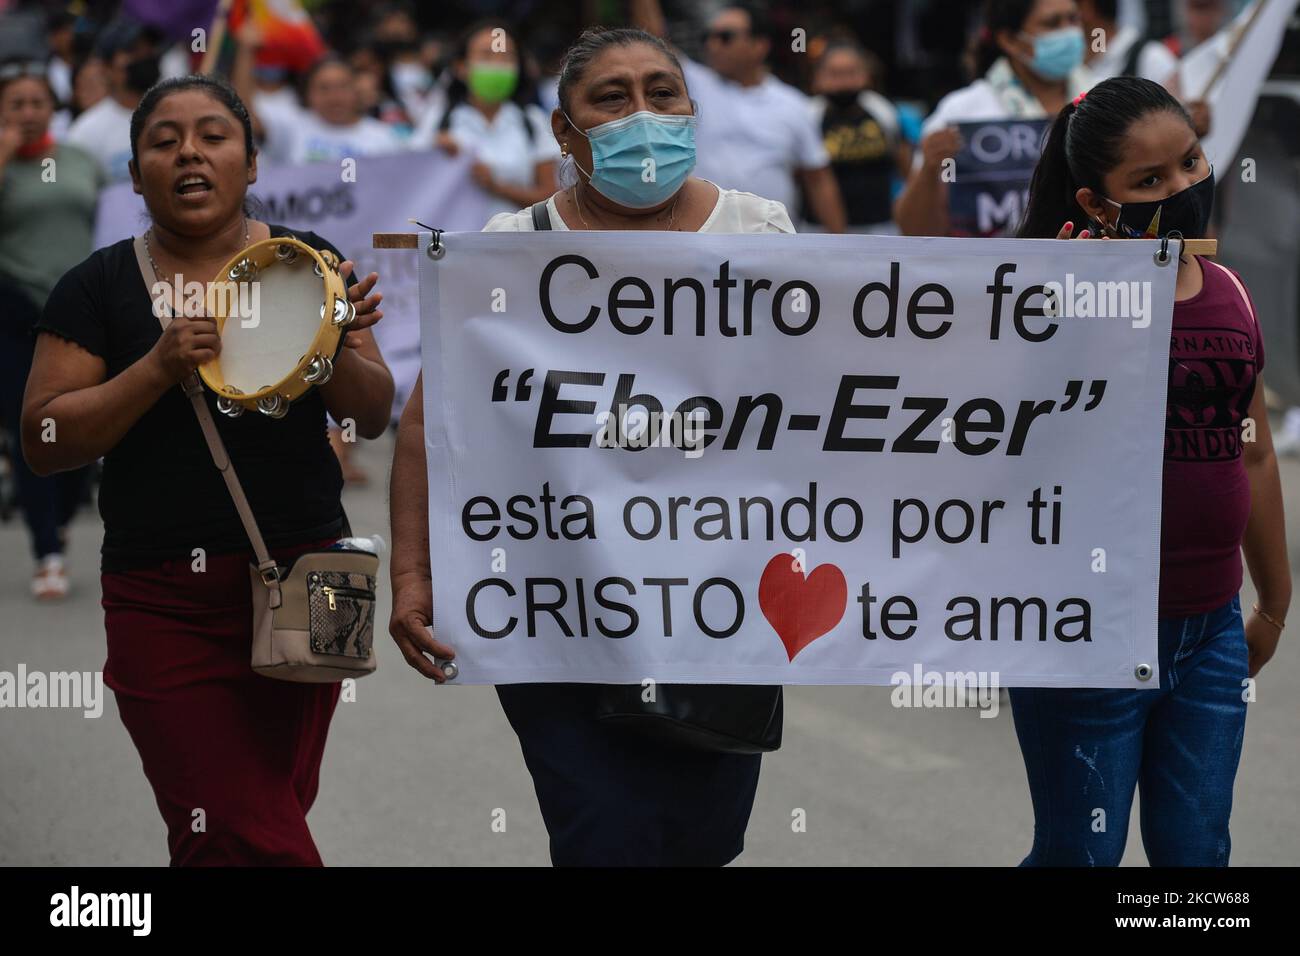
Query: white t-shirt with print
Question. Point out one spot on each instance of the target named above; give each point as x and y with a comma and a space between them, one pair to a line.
104, 131
753, 137
300, 136
503, 142
1156, 61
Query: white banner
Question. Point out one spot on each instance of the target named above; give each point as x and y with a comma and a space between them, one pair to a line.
1233, 96
902, 463
384, 193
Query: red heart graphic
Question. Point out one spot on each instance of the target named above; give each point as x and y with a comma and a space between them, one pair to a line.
801, 609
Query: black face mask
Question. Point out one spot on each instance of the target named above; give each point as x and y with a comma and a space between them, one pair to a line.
842, 99
1187, 212
142, 73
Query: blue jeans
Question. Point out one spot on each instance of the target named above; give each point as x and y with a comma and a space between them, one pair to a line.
1085, 750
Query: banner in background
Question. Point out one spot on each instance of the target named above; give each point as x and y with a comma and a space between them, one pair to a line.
997, 160
1232, 99
795, 459
386, 192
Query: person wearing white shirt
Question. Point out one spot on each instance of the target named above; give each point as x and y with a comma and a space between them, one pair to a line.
331, 128
1126, 52
755, 132
489, 113
1030, 64
1114, 50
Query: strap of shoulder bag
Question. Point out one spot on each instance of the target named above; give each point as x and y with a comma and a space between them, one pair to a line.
541, 216
193, 388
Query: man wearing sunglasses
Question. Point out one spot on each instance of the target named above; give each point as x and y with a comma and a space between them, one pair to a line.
755, 133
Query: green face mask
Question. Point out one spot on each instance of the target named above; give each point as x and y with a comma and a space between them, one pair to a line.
492, 84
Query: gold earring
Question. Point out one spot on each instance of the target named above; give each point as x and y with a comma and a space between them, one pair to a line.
564, 149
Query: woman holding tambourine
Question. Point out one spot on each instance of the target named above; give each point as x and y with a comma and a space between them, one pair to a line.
232, 756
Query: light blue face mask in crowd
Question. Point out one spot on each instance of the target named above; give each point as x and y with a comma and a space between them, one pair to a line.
1057, 53
639, 161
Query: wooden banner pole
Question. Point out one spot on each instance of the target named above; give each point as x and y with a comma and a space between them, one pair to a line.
1232, 48
216, 37
410, 240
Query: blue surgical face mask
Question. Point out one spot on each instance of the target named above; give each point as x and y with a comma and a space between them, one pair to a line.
639, 161
1057, 53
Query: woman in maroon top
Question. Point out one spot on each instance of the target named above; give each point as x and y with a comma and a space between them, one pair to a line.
1125, 159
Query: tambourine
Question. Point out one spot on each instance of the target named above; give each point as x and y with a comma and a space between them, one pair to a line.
277, 353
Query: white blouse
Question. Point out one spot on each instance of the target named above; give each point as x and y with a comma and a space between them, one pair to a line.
735, 211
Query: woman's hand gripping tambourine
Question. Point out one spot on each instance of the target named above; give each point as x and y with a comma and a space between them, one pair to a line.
281, 309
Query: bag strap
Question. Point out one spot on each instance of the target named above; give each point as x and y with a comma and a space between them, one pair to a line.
541, 216
267, 568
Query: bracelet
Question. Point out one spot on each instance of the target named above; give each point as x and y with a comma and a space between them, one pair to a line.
1270, 618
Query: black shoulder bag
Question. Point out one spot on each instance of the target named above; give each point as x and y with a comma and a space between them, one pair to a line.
723, 718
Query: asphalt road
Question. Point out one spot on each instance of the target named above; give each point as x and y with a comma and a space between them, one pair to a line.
413, 772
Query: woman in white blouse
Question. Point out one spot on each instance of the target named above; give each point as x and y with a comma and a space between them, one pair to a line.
608, 797
490, 113
1029, 64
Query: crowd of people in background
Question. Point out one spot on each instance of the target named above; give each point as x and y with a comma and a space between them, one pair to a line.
745, 141
817, 123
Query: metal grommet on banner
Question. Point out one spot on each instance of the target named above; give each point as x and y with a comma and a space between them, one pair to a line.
1162, 257
449, 669
435, 249
1143, 672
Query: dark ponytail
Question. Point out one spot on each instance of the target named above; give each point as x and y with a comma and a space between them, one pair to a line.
1085, 143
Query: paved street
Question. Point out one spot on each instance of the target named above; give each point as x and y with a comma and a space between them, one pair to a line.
413, 772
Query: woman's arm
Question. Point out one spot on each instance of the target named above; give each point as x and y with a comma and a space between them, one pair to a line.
72, 415
903, 159
362, 387
409, 517
648, 15
247, 40
922, 207
823, 192
1265, 542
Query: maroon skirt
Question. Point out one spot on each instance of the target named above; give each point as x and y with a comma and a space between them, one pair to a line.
233, 757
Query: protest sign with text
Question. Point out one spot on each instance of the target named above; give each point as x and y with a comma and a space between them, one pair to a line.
795, 459
991, 179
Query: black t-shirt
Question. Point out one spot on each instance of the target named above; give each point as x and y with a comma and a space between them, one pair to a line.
162, 496
862, 158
